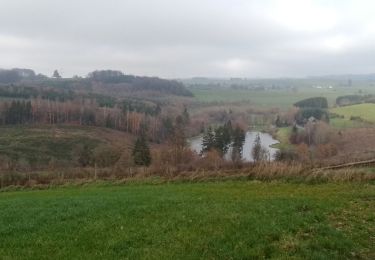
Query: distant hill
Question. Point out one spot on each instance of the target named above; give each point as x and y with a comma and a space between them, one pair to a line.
357, 77
344, 80
100, 79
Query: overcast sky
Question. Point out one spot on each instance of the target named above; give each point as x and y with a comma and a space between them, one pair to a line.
185, 38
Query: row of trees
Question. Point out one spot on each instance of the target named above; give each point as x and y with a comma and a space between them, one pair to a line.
354, 99
130, 117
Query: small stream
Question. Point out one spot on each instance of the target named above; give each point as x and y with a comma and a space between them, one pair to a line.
266, 139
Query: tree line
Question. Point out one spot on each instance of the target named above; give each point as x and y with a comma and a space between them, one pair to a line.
222, 138
129, 116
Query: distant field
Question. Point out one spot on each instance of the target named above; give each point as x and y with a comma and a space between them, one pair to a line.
226, 220
273, 98
365, 111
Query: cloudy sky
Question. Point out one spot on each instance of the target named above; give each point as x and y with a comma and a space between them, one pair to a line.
185, 38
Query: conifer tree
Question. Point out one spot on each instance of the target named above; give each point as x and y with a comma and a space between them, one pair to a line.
141, 151
186, 116
222, 139
259, 153
56, 75
208, 141
238, 137
256, 151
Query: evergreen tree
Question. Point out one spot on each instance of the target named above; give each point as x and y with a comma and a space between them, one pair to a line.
257, 147
228, 126
167, 128
208, 141
259, 153
222, 139
56, 75
238, 137
141, 152
186, 116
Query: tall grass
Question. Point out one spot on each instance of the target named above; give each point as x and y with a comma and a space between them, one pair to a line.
262, 172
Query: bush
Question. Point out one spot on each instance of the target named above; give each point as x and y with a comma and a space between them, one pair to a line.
287, 155
105, 155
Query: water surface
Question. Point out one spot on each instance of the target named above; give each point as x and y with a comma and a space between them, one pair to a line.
266, 139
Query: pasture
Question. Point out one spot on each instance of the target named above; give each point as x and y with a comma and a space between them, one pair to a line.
210, 220
364, 111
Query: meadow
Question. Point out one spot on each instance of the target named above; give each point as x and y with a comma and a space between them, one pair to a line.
364, 111
207, 220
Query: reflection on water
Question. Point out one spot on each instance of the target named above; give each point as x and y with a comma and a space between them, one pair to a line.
266, 139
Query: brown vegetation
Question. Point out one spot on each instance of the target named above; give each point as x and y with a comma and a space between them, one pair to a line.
262, 172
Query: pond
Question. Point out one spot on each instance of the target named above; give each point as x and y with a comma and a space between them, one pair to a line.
266, 139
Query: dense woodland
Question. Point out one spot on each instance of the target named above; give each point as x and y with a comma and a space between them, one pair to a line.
31, 99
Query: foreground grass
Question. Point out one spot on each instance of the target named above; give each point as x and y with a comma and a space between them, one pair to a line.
231, 219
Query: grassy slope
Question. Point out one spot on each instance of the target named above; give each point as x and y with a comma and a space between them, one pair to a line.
365, 111
189, 221
38, 144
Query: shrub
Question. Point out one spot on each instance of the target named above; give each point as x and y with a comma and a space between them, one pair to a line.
287, 155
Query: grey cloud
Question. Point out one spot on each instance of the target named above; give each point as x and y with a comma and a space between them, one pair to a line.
188, 38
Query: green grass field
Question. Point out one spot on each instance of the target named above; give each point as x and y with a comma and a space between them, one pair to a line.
282, 136
365, 111
274, 98
212, 220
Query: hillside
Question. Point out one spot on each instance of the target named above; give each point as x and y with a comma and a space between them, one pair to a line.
98, 80
40, 146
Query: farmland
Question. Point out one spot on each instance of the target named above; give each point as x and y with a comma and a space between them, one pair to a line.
272, 98
364, 111
232, 219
